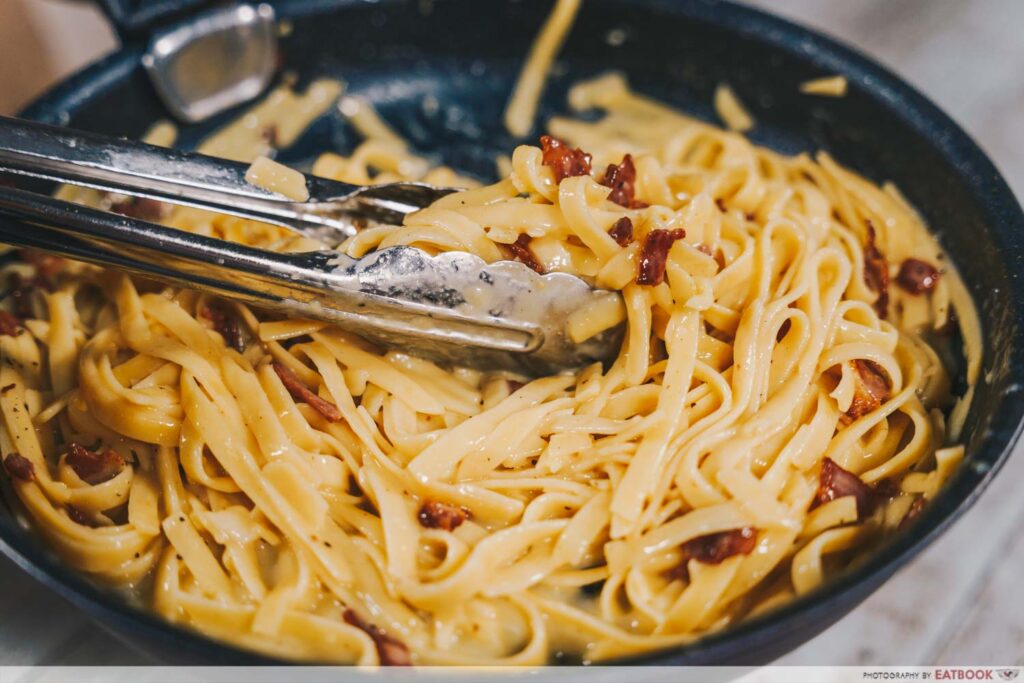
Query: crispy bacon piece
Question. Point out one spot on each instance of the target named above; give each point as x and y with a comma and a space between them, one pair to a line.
714, 549
621, 178
10, 325
913, 512
142, 208
94, 467
300, 392
226, 325
564, 162
436, 515
520, 250
876, 272
390, 650
871, 390
46, 265
622, 231
834, 482
654, 254
917, 276
718, 547
19, 467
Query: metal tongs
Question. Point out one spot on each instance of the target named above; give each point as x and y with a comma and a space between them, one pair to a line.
452, 307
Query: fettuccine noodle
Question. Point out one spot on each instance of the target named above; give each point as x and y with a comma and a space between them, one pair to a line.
765, 424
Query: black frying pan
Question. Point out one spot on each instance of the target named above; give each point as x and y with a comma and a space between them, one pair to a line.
467, 52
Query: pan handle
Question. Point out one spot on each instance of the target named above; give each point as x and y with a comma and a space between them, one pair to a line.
188, 42
134, 18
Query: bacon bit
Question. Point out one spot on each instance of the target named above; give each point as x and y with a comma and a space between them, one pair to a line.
876, 272
10, 325
622, 231
46, 265
720, 203
300, 392
6, 388
78, 517
94, 467
621, 179
19, 467
871, 389
714, 549
718, 547
390, 650
437, 515
226, 325
654, 254
913, 512
520, 250
143, 208
834, 482
783, 330
564, 162
917, 276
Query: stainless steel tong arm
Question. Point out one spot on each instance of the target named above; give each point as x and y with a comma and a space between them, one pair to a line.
451, 306
322, 284
134, 168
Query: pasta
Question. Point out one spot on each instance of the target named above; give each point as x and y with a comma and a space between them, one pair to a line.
731, 111
522, 106
828, 86
275, 177
777, 408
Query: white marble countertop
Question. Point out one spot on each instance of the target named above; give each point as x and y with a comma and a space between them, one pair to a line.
959, 603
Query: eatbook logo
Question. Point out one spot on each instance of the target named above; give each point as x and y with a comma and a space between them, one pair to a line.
974, 674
